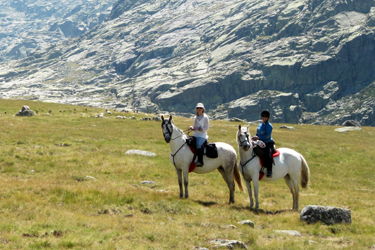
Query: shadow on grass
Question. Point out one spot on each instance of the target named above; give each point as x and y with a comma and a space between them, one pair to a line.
206, 203
259, 211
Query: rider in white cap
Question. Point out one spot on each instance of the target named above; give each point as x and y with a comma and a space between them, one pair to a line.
200, 127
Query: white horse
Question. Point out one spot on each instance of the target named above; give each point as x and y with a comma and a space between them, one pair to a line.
289, 165
181, 157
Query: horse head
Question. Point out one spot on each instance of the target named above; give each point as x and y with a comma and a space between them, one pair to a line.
243, 138
167, 127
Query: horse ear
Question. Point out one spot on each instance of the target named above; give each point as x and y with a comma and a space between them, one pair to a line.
170, 117
248, 127
162, 117
239, 127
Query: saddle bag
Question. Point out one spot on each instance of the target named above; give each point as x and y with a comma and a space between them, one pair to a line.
211, 150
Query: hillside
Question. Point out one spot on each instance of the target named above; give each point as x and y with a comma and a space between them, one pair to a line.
68, 184
30, 25
306, 61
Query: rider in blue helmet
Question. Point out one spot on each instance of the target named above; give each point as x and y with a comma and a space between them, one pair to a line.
264, 132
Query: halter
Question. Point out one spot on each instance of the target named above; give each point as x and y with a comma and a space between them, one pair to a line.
246, 140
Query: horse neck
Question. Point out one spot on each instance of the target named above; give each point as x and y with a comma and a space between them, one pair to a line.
179, 139
245, 155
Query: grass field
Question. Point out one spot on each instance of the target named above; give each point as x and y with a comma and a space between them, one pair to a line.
66, 183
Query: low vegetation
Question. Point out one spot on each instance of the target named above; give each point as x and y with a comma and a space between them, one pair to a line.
66, 183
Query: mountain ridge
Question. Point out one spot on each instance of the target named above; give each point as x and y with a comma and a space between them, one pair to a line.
305, 61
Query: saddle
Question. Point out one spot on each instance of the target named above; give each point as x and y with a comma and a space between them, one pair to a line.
210, 150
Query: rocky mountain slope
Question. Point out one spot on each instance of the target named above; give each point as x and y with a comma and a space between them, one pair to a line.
306, 61
29, 25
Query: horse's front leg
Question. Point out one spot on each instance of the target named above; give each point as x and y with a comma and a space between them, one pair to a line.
248, 185
186, 182
179, 175
256, 191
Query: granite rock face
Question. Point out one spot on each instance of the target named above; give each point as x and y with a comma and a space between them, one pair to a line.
305, 61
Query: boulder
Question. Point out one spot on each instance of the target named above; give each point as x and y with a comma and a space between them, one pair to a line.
25, 111
328, 215
351, 123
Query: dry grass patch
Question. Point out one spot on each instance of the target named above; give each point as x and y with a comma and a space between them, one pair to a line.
67, 184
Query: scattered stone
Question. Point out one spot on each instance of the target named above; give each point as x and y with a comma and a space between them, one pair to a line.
327, 215
133, 117
139, 152
200, 248
290, 232
247, 222
235, 119
90, 177
351, 123
230, 226
147, 182
230, 244
119, 117
286, 127
347, 129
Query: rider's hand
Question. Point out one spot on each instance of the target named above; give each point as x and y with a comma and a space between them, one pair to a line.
255, 138
191, 128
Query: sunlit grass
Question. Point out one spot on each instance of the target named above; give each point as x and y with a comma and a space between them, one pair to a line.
68, 184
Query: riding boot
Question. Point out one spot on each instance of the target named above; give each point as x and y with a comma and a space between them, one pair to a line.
199, 162
269, 172
268, 165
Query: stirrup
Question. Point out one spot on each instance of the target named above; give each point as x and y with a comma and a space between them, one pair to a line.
198, 164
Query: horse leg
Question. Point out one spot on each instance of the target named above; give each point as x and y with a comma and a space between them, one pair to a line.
290, 184
248, 185
296, 191
230, 183
256, 191
186, 182
179, 175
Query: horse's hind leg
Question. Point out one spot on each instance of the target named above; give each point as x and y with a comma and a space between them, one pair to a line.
293, 190
228, 177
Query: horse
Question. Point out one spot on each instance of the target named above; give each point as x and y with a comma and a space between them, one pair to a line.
289, 165
181, 157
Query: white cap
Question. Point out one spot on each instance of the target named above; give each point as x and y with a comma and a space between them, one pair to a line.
200, 105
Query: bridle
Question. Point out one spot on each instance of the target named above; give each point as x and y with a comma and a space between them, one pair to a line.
241, 144
169, 132
246, 140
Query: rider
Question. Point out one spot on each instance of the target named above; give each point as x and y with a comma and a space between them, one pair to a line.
264, 132
200, 127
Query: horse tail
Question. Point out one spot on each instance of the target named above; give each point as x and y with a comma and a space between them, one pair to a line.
237, 176
305, 173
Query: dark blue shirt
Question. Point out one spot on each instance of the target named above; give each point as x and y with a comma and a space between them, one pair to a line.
264, 132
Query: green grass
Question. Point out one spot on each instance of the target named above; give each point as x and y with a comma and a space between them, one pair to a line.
68, 184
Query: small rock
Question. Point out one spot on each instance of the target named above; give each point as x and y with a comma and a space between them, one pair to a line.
230, 244
290, 232
147, 182
247, 222
286, 127
140, 152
